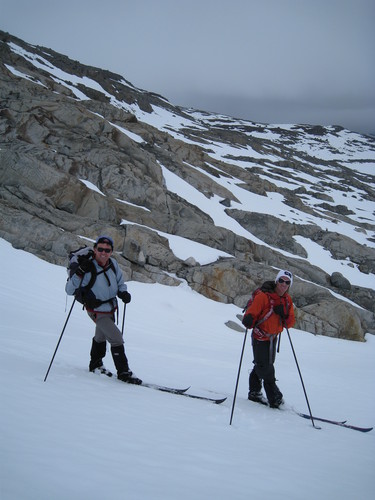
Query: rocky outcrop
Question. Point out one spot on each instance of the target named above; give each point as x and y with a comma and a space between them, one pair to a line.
71, 168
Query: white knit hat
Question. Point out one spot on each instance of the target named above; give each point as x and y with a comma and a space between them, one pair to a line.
287, 274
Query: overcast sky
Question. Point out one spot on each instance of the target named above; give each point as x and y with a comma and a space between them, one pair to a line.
272, 61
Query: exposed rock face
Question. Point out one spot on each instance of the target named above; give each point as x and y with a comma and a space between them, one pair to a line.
338, 281
72, 167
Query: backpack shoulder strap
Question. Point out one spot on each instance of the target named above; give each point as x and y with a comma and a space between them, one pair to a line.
102, 271
93, 276
251, 299
271, 303
112, 264
269, 312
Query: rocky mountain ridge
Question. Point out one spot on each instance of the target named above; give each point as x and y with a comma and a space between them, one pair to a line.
82, 152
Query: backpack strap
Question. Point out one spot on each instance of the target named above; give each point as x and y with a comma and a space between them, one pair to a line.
111, 266
258, 330
271, 304
85, 295
268, 313
94, 273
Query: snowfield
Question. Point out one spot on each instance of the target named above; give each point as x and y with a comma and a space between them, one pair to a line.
85, 436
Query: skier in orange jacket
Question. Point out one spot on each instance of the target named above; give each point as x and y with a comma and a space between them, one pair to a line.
268, 311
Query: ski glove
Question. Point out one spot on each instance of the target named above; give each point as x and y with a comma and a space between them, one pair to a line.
279, 310
125, 297
247, 321
84, 265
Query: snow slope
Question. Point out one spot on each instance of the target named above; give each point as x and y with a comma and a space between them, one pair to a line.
83, 436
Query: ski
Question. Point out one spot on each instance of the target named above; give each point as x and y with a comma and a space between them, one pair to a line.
182, 392
340, 423
335, 422
164, 388
217, 401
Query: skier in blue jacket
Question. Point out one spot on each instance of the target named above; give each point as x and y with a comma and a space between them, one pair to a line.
99, 279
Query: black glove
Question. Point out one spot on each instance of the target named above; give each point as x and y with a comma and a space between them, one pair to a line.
247, 321
125, 297
84, 265
279, 309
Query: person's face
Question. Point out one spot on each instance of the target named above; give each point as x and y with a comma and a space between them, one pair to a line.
102, 253
282, 285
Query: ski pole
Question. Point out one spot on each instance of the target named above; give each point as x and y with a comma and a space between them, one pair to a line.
123, 321
123, 316
58, 343
238, 378
300, 376
278, 343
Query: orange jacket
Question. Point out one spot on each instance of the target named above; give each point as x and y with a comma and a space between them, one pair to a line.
261, 305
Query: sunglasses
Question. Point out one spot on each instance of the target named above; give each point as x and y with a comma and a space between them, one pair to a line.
106, 250
287, 282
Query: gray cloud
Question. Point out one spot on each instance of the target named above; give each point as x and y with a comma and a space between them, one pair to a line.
272, 61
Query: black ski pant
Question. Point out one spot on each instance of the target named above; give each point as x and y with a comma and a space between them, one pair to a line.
264, 353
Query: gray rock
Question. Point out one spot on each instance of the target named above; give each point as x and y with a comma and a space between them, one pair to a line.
68, 173
339, 281
234, 326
